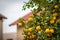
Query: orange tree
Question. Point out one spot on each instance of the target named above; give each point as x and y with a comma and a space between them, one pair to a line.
46, 26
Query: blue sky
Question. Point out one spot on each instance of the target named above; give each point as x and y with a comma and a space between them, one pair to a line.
12, 9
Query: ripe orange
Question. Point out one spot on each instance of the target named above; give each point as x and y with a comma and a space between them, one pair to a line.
32, 36
54, 18
55, 14
30, 19
52, 30
30, 29
56, 6
29, 33
52, 21
38, 28
25, 30
19, 24
47, 31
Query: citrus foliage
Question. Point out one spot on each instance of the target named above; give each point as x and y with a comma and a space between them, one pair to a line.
46, 26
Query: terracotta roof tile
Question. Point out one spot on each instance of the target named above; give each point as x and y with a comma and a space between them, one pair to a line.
24, 17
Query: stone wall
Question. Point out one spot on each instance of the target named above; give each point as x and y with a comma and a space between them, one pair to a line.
9, 36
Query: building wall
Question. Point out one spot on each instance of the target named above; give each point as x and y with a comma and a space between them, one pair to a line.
9, 36
1, 29
20, 33
14, 36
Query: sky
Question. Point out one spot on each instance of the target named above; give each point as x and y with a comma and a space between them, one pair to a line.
12, 9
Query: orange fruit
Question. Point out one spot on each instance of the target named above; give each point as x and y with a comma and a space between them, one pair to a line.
32, 36
52, 30
38, 28
54, 18
29, 33
55, 14
47, 31
51, 21
30, 19
56, 6
25, 30
19, 24
30, 29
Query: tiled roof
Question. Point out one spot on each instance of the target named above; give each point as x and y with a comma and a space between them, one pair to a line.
24, 17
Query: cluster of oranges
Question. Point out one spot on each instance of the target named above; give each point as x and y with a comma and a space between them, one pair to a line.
38, 28
29, 31
49, 31
54, 18
54, 15
30, 19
